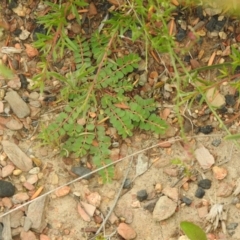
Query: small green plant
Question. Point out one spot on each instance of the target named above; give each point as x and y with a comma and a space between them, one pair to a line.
184, 168
192, 231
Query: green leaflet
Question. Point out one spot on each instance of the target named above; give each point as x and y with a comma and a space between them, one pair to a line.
193, 231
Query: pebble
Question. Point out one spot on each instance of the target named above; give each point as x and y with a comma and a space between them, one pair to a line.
7, 170
17, 172
142, 164
63, 191
206, 129
17, 156
216, 142
215, 98
199, 192
37, 214
34, 170
127, 184
150, 205
44, 237
204, 157
219, 172
83, 214
35, 103
32, 179
186, 200
230, 99
125, 231
28, 186
224, 189
34, 95
181, 34
142, 195
89, 209
6, 189
27, 224
173, 172
20, 197
205, 183
19, 107
29, 235
7, 202
164, 208
232, 226
14, 124
16, 218
81, 171
172, 193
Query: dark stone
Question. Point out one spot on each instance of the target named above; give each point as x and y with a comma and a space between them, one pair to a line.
17, 32
210, 26
232, 226
150, 205
23, 80
81, 171
39, 30
50, 98
223, 110
199, 192
220, 24
216, 142
127, 184
198, 97
230, 99
199, 12
181, 34
187, 58
142, 195
6, 189
205, 183
206, 129
186, 200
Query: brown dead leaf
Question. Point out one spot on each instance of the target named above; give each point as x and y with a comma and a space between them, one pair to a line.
151, 10
30, 50
92, 114
219, 172
195, 64
153, 74
81, 121
92, 10
165, 113
122, 105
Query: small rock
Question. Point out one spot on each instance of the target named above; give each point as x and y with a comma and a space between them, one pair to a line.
232, 226
142, 164
19, 107
206, 129
158, 187
205, 183
81, 171
186, 200
17, 156
17, 172
215, 98
216, 142
7, 202
20, 197
29, 235
34, 170
30, 50
89, 209
204, 157
199, 192
126, 231
150, 205
63, 191
27, 224
14, 84
34, 95
224, 189
83, 213
6, 189
171, 193
16, 218
28, 186
202, 211
7, 170
127, 184
37, 214
142, 195
230, 99
181, 34
172, 172
184, 237
219, 172
32, 179
14, 125
94, 198
35, 103
44, 237
164, 208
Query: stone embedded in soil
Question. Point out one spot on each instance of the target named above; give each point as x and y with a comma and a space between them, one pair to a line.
81, 171
215, 98
230, 99
36, 213
14, 124
204, 157
219, 172
205, 183
181, 34
164, 208
18, 106
142, 195
63, 191
32, 179
216, 142
172, 193
150, 205
29, 235
172, 172
224, 189
6, 189
186, 200
125, 231
7, 170
127, 184
83, 213
17, 156
142, 164
199, 192
6, 233
20, 197
206, 129
89, 209
27, 224
94, 199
